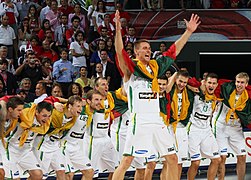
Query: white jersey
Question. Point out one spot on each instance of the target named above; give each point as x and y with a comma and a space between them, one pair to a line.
142, 100
221, 112
50, 142
99, 126
14, 138
202, 112
120, 124
76, 133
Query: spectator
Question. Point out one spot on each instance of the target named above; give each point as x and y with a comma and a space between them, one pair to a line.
29, 69
123, 14
98, 71
106, 23
103, 36
63, 72
46, 63
2, 88
48, 52
83, 20
35, 46
45, 10
45, 26
7, 36
155, 4
24, 33
53, 15
83, 80
34, 21
110, 5
9, 8
60, 32
65, 8
9, 79
70, 33
23, 7
158, 53
108, 70
75, 89
91, 33
79, 51
130, 36
98, 17
3, 56
40, 92
56, 90
25, 84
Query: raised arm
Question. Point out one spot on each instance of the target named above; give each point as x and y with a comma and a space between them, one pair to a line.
119, 46
191, 26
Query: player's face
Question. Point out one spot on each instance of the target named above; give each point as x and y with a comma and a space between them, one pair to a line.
43, 116
162, 85
144, 52
103, 87
240, 84
96, 102
211, 84
15, 113
181, 82
76, 108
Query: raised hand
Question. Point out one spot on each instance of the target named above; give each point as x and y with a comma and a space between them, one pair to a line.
193, 23
117, 21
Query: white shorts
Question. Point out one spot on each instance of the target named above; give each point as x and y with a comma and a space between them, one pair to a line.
49, 161
101, 153
17, 163
202, 143
181, 143
118, 141
230, 137
76, 160
143, 138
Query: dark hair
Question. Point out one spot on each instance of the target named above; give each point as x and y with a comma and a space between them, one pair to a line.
75, 17
79, 32
70, 89
184, 73
36, 12
104, 7
14, 101
44, 105
44, 21
212, 75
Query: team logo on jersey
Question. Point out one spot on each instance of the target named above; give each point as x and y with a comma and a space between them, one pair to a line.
171, 149
16, 173
243, 150
77, 135
37, 165
153, 156
215, 153
102, 125
1, 163
141, 151
200, 116
147, 95
88, 164
83, 117
62, 165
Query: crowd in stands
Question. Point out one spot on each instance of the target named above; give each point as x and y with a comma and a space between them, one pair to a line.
56, 42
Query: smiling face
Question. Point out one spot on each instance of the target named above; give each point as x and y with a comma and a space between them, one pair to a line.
95, 102
76, 108
15, 113
211, 84
43, 116
240, 84
181, 82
